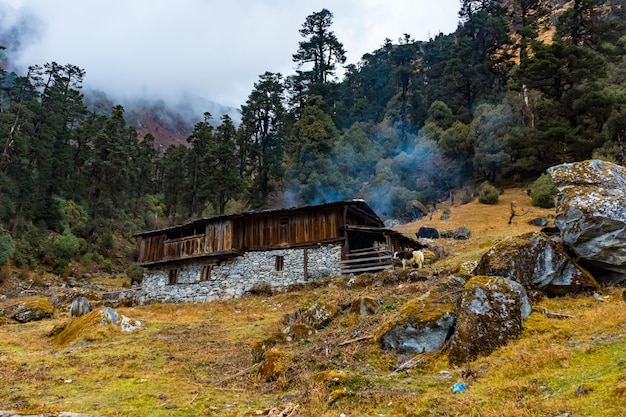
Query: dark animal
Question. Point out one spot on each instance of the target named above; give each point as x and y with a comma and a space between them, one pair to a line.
80, 307
427, 232
551, 231
412, 258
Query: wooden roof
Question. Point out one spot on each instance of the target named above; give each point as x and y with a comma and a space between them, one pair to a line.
357, 204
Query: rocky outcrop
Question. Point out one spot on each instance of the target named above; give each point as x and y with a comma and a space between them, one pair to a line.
474, 317
490, 314
538, 263
591, 213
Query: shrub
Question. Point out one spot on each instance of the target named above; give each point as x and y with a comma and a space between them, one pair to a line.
488, 194
6, 248
543, 191
135, 273
66, 246
28, 248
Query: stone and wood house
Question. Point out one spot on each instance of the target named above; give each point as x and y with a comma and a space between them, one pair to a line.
227, 256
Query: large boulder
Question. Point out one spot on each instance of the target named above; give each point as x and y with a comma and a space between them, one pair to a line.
490, 314
591, 213
423, 325
537, 262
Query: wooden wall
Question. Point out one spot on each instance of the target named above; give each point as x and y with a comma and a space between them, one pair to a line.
260, 231
290, 229
216, 237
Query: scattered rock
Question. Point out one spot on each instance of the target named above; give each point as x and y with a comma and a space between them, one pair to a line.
364, 306
539, 221
272, 366
116, 299
260, 349
585, 388
332, 376
80, 307
416, 210
34, 310
461, 233
551, 231
336, 395
95, 325
319, 315
298, 332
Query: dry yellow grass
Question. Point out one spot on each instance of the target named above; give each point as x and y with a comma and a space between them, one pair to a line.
195, 359
487, 223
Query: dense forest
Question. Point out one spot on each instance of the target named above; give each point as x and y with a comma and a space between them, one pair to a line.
521, 85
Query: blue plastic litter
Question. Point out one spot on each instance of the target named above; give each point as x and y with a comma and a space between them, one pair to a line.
459, 387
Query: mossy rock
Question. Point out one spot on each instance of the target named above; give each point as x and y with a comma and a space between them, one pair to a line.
423, 324
538, 263
332, 376
260, 349
90, 327
490, 314
364, 306
34, 310
336, 395
302, 331
273, 365
319, 315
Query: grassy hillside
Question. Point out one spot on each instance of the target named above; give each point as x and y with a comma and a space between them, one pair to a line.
195, 359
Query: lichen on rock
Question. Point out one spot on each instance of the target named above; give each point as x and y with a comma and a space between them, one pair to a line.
538, 263
591, 213
423, 324
490, 314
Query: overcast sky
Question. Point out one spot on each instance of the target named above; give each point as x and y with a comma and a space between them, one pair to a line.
209, 48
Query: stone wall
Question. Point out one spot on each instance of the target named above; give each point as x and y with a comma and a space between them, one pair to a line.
234, 277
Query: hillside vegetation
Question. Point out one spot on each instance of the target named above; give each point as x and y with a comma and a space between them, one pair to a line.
196, 359
518, 87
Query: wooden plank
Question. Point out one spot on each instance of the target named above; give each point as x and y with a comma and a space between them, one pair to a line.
365, 260
366, 264
366, 269
373, 252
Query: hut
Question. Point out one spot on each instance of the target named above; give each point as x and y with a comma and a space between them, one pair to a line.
227, 256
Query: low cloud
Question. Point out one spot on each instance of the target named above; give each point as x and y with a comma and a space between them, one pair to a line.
211, 49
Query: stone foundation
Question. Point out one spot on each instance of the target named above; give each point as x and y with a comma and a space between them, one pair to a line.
235, 277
